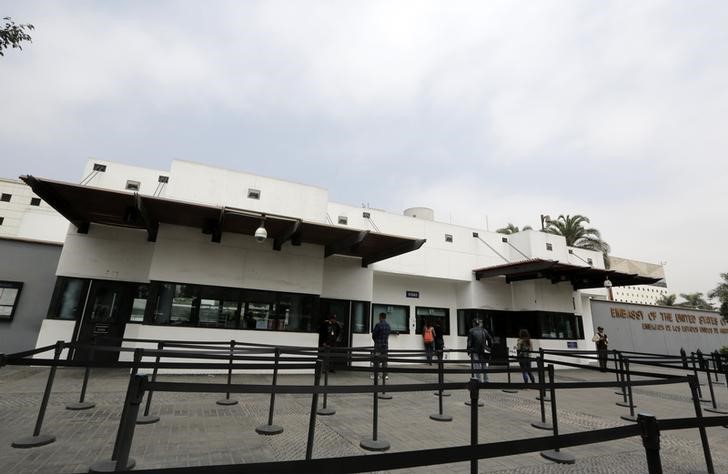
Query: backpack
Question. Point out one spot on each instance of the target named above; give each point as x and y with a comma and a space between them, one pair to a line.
428, 336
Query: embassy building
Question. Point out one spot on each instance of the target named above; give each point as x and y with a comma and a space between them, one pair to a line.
202, 253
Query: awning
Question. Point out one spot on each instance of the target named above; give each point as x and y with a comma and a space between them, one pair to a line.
580, 277
83, 205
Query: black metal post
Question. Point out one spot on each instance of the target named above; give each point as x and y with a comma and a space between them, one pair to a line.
684, 357
373, 443
556, 454
440, 416
146, 418
651, 442
38, 438
270, 428
326, 410
542, 425
314, 404
134, 388
618, 373
227, 400
542, 395
630, 400
693, 382
474, 388
82, 404
697, 378
625, 402
714, 359
714, 408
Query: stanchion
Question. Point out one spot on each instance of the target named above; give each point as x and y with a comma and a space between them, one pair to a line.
508, 371
697, 377
473, 376
542, 395
714, 359
684, 357
326, 410
440, 393
383, 395
618, 373
82, 404
625, 402
146, 418
542, 425
556, 455
38, 438
474, 389
651, 441
631, 416
227, 400
269, 428
133, 391
714, 408
374, 443
693, 382
314, 404
440, 416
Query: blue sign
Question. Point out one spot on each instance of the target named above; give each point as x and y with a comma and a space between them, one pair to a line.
571, 344
412, 294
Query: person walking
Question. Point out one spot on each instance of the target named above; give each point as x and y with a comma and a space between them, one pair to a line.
523, 354
602, 342
439, 339
428, 337
479, 347
380, 336
333, 333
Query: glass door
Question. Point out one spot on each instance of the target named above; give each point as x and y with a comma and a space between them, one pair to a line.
104, 319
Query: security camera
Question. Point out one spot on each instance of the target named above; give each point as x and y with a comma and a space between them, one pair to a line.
261, 234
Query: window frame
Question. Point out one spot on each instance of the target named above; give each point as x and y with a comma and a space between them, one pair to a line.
5, 197
375, 316
35, 201
13, 285
446, 326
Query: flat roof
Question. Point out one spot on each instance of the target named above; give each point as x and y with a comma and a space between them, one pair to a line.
580, 277
83, 205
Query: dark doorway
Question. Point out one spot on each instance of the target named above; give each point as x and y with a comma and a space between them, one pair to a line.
104, 319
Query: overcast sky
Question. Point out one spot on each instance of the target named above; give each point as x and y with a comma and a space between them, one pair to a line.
614, 110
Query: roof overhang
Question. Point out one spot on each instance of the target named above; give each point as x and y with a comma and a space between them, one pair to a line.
580, 277
83, 205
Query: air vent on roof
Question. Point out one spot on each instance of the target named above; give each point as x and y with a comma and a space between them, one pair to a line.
133, 185
549, 246
100, 168
35, 201
343, 220
475, 234
448, 237
163, 179
504, 239
366, 215
253, 193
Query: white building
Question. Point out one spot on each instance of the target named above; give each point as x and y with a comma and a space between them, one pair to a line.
24, 215
171, 255
640, 294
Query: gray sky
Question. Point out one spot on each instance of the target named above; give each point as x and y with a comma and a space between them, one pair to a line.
617, 110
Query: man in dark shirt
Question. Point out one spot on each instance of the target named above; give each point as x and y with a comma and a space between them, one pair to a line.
479, 344
380, 336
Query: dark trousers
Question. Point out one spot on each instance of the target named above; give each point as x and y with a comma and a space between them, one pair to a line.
602, 354
429, 349
526, 370
381, 352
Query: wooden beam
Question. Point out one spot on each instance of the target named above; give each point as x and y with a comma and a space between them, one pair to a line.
346, 245
287, 235
405, 247
217, 227
149, 222
58, 203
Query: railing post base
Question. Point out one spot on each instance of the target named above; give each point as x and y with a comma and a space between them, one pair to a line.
326, 411
560, 457
34, 441
629, 418
374, 444
110, 466
227, 402
444, 394
384, 396
480, 404
625, 404
542, 425
269, 430
147, 419
80, 406
440, 417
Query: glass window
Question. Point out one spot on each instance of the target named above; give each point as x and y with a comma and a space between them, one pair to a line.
35, 201
433, 315
9, 297
140, 294
558, 326
69, 297
175, 304
218, 307
359, 319
397, 316
5, 197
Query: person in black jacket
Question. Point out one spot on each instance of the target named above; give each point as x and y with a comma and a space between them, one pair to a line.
479, 347
439, 339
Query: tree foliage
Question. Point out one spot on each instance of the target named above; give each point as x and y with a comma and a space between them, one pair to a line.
666, 300
576, 234
12, 35
720, 293
512, 229
694, 300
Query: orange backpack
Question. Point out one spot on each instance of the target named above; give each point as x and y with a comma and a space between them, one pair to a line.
429, 337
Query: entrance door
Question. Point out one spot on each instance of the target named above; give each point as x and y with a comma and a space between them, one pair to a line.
341, 308
104, 319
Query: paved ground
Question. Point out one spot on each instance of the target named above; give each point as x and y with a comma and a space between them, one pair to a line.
194, 431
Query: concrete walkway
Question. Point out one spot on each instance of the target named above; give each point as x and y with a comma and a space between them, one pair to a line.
194, 431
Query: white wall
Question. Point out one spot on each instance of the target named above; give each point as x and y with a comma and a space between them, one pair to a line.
117, 174
23, 221
52, 331
344, 278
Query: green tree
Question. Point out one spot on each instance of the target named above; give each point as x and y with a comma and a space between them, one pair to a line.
576, 235
666, 300
512, 229
12, 35
694, 300
720, 293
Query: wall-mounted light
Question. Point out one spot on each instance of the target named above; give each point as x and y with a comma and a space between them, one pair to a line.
260, 233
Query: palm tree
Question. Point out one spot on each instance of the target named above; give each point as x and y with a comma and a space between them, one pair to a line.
666, 300
720, 292
694, 300
572, 228
512, 229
